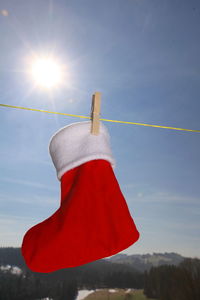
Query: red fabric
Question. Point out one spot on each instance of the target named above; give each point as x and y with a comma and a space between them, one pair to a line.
92, 222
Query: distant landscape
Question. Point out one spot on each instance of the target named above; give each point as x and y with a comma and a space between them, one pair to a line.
161, 276
145, 261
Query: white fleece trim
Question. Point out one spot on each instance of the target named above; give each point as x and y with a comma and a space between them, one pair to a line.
74, 145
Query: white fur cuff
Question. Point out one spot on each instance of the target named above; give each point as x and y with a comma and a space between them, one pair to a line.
74, 145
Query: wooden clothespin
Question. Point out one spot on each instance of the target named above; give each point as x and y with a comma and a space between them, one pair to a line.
95, 112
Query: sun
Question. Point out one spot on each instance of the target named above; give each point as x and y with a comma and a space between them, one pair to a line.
46, 72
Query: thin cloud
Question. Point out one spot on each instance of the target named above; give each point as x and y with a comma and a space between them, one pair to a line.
28, 183
162, 197
34, 199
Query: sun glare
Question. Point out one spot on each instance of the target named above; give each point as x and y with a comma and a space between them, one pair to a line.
46, 72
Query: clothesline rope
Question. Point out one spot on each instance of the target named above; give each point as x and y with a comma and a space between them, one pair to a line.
106, 120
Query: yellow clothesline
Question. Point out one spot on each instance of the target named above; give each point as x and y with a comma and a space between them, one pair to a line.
106, 120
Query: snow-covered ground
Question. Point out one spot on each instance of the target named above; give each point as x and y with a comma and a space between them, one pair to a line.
12, 269
128, 291
112, 291
83, 293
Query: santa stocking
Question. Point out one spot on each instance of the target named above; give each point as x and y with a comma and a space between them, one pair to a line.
93, 220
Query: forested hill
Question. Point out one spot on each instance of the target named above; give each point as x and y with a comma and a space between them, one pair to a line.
167, 282
100, 273
12, 256
146, 261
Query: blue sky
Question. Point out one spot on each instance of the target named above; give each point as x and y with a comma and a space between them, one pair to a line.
143, 56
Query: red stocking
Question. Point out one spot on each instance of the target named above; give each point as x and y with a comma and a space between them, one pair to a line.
92, 222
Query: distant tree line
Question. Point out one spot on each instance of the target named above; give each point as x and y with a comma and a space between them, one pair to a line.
27, 286
64, 283
11, 256
174, 282
167, 282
